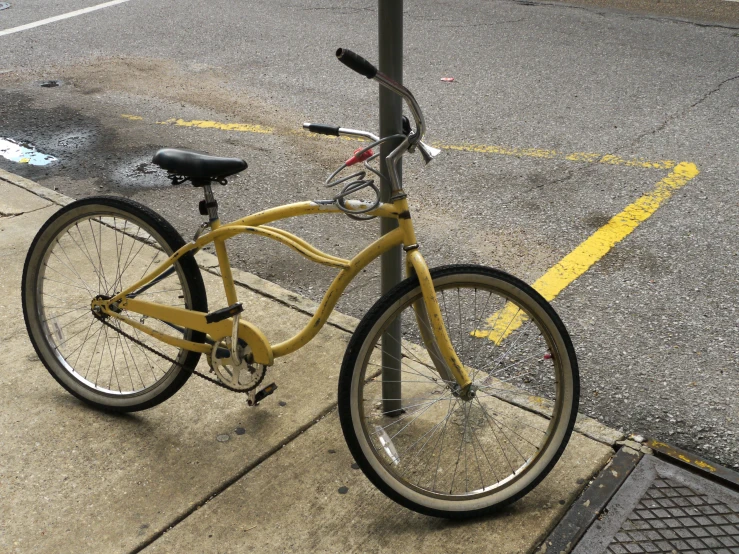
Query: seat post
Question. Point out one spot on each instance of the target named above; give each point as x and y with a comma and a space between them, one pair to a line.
220, 245
211, 205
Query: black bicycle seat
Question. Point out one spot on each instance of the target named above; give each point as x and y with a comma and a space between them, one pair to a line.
198, 166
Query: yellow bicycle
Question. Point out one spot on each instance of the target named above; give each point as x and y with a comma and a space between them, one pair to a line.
459, 388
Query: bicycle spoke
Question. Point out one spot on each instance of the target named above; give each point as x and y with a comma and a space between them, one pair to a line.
445, 444
499, 425
101, 254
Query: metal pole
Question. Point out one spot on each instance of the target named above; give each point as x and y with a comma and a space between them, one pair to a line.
390, 34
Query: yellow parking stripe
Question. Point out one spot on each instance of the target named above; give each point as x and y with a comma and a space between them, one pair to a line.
587, 157
582, 157
555, 280
204, 124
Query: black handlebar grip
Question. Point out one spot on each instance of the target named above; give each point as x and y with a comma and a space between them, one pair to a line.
356, 62
322, 129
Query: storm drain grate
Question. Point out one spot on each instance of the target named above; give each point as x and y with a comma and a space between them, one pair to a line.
664, 509
672, 517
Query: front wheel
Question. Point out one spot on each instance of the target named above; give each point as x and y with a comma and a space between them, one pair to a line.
416, 438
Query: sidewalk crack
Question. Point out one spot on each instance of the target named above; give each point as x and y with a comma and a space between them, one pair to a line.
10, 215
492, 24
686, 22
605, 11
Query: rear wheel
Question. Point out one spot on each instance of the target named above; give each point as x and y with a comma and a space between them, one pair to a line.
97, 247
440, 454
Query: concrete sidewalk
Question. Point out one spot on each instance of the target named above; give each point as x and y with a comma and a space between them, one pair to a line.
76, 480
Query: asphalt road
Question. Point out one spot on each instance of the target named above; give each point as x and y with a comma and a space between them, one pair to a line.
655, 322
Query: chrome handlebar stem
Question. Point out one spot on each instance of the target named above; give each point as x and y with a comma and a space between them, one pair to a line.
354, 133
406, 94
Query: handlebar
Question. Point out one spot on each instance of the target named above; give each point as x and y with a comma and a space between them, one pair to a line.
335, 131
356, 62
409, 141
322, 129
363, 67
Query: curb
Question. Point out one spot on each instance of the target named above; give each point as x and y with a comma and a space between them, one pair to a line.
710, 470
34, 188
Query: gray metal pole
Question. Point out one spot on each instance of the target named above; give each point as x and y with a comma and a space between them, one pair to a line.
390, 27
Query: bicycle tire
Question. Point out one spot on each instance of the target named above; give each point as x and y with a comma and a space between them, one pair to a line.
99, 245
394, 463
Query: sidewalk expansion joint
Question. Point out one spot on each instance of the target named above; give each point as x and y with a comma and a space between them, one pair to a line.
232, 480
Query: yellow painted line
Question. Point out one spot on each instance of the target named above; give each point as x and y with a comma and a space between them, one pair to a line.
704, 465
555, 280
204, 124
585, 157
581, 157
502, 150
611, 159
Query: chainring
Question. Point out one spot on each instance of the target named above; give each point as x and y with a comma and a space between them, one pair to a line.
236, 375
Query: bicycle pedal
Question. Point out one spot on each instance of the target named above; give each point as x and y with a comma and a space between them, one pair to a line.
261, 395
224, 313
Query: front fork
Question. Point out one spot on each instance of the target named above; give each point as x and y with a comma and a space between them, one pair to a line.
433, 331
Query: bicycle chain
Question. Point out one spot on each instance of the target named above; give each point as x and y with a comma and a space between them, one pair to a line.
171, 360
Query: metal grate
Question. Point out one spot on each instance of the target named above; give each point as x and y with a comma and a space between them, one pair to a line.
662, 508
671, 517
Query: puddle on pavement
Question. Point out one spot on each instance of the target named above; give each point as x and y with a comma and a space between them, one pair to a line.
91, 156
23, 153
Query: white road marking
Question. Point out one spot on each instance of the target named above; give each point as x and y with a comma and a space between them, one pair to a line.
60, 17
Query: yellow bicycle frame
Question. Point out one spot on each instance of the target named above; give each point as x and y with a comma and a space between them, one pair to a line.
262, 351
